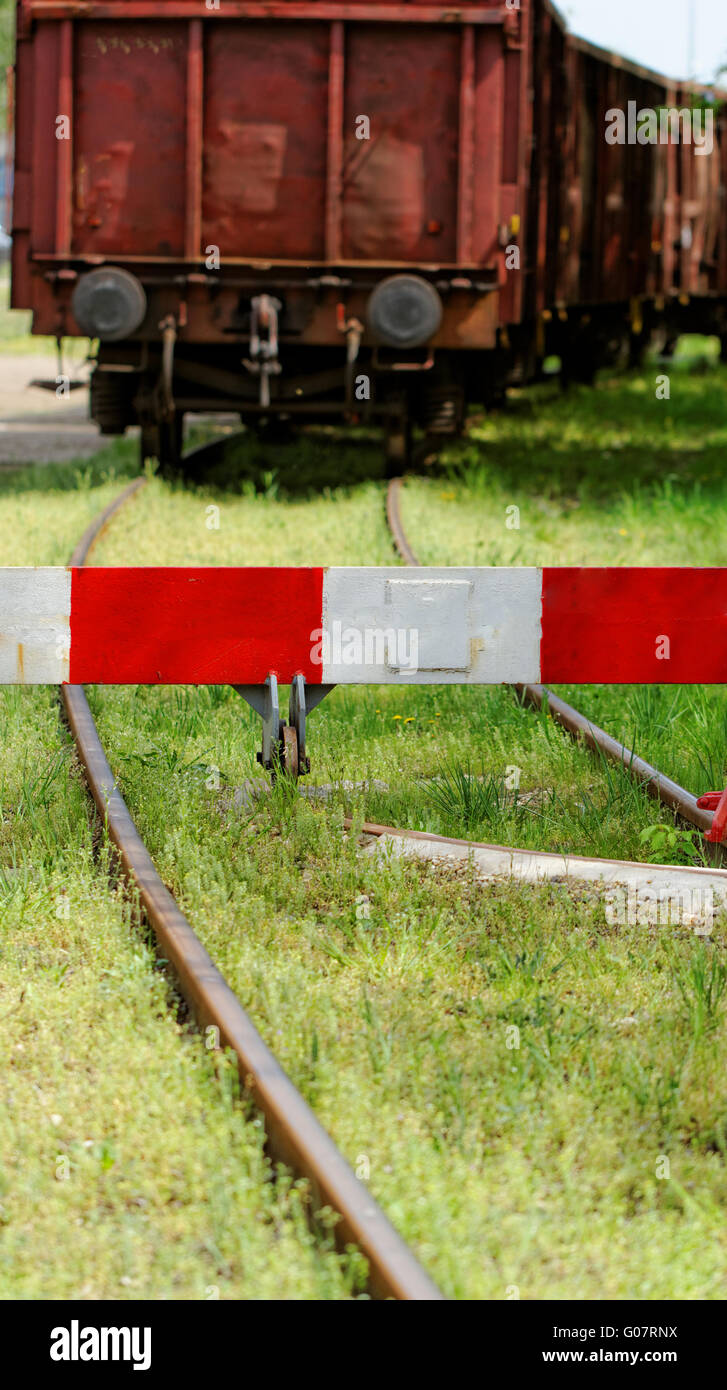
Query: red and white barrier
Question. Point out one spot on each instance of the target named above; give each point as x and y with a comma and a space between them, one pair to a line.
362, 626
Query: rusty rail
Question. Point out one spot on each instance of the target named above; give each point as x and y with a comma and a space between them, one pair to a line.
570, 719
654, 782
393, 517
294, 1135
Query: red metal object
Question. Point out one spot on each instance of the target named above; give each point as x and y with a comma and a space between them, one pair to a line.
215, 625
64, 139
717, 802
633, 625
467, 115
360, 11
130, 141
256, 151
214, 620
334, 173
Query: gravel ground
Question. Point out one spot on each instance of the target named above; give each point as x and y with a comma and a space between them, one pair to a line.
36, 426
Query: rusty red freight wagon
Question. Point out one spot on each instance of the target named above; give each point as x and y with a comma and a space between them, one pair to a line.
313, 200
322, 210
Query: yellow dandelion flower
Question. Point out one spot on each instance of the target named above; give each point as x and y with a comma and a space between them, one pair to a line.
397, 716
410, 719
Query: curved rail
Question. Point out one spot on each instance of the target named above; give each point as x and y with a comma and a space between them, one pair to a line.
575, 724
294, 1135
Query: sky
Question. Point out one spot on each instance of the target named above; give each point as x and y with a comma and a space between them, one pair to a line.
656, 32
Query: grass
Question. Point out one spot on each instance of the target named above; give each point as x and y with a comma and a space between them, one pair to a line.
532, 1157
533, 1093
129, 1165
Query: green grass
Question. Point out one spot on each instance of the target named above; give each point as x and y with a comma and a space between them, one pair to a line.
609, 476
391, 993
612, 476
129, 1166
533, 1093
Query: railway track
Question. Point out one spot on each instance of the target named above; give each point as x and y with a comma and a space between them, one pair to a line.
577, 725
294, 1135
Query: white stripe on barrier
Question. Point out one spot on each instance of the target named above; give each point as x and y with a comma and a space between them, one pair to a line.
441, 626
35, 626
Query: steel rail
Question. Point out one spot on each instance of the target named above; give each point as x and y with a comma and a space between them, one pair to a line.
428, 837
393, 517
656, 783
570, 719
294, 1135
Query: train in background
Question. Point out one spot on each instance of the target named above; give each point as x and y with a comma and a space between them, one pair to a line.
361, 211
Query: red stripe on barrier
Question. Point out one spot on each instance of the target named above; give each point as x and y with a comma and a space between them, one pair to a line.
634, 625
193, 626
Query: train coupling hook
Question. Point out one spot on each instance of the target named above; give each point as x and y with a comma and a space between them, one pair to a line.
263, 359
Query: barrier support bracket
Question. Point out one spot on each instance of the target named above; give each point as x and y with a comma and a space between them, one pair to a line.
284, 745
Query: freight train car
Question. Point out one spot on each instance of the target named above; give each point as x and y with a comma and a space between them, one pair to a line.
319, 210
643, 224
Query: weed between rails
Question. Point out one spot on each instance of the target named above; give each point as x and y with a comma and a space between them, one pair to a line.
507, 1067
468, 799
702, 984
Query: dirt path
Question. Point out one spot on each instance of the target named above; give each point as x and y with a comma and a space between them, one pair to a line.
36, 426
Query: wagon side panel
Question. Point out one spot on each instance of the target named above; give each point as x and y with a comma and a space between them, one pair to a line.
129, 139
265, 140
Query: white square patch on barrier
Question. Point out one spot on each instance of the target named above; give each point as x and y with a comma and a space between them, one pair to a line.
454, 626
438, 611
